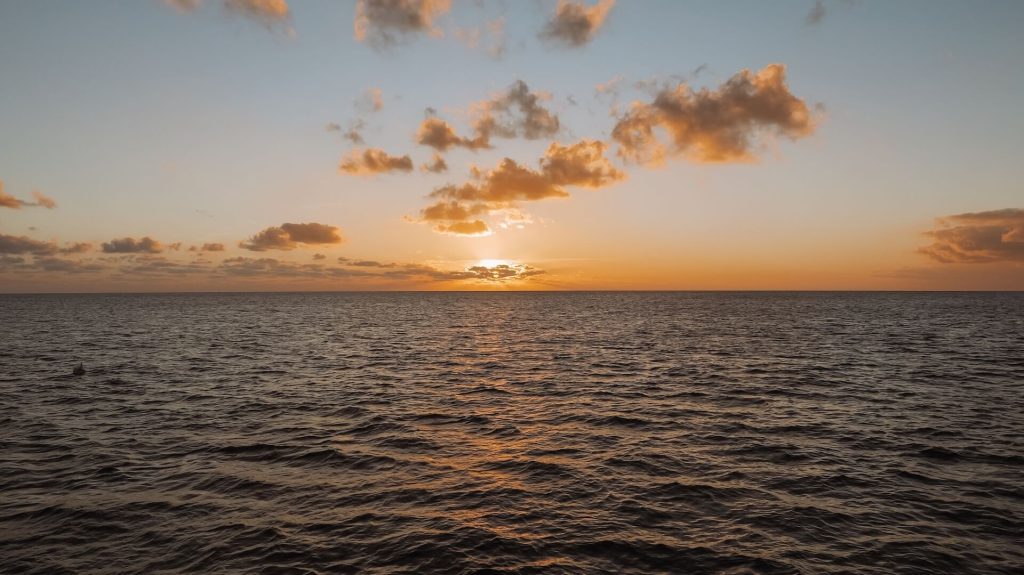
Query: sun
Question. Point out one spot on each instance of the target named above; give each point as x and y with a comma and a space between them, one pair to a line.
490, 263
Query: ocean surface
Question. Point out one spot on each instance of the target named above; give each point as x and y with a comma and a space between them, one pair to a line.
512, 433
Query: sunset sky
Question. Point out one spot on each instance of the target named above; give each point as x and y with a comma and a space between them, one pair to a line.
424, 144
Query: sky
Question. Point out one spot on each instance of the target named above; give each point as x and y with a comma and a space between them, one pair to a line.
224, 145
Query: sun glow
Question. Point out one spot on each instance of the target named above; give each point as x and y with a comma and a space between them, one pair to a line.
489, 263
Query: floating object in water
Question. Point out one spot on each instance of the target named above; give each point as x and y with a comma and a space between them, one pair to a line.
79, 370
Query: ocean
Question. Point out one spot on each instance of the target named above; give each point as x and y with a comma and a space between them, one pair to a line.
512, 433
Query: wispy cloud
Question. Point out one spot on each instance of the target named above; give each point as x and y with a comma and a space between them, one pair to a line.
41, 200
373, 161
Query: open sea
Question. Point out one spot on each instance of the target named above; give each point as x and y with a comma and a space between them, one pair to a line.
512, 433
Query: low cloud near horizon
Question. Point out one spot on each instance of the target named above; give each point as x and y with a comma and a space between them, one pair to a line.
979, 237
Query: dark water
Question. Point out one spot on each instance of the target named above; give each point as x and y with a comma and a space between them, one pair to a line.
513, 433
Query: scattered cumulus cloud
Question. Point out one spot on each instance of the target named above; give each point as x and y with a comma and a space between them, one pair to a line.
267, 12
384, 23
457, 208
371, 101
516, 112
714, 125
372, 161
290, 236
980, 237
574, 24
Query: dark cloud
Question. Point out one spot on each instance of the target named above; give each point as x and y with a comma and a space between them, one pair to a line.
384, 23
25, 245
319, 257
212, 247
981, 237
291, 236
132, 246
517, 112
159, 265
374, 161
714, 125
41, 200
574, 23
457, 208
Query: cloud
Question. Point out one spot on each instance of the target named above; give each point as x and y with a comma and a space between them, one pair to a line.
290, 236
267, 12
816, 14
516, 112
146, 245
384, 23
374, 161
25, 245
714, 125
457, 208
981, 237
41, 200
319, 257
436, 166
370, 101
212, 247
438, 134
76, 248
574, 24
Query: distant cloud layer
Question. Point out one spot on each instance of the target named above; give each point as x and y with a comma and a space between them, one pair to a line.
384, 23
457, 208
374, 161
291, 236
714, 125
981, 237
574, 23
41, 200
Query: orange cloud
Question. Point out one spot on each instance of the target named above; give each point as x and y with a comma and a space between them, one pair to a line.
132, 246
41, 200
457, 207
714, 125
268, 12
436, 166
374, 161
981, 237
574, 24
384, 23
517, 112
290, 236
